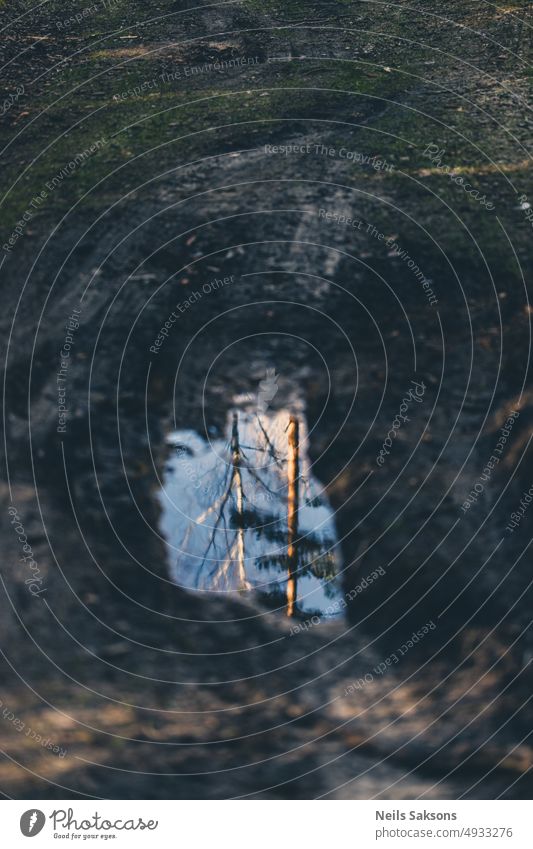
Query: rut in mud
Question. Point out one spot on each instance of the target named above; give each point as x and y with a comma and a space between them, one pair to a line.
265, 196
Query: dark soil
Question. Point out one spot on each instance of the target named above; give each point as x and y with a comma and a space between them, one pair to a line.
157, 693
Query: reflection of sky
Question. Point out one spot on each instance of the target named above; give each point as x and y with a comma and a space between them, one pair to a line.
203, 543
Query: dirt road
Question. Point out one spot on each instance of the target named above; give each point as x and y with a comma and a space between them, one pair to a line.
359, 173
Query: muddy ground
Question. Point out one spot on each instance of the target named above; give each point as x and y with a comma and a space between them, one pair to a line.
282, 146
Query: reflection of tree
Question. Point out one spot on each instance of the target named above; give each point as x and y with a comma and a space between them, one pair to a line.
240, 517
235, 550
236, 476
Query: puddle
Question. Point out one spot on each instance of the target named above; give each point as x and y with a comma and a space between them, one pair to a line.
230, 517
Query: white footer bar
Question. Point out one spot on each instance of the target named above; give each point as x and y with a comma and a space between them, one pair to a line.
267, 824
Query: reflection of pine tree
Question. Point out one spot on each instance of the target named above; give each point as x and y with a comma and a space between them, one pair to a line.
254, 496
236, 460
